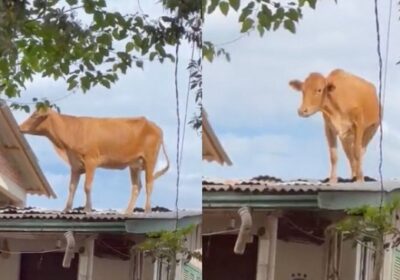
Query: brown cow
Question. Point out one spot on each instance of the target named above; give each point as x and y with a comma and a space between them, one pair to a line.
350, 109
86, 143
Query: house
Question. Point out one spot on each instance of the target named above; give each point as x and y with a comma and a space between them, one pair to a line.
212, 148
47, 244
267, 228
20, 173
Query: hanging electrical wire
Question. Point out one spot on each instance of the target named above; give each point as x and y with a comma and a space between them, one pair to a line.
178, 132
378, 48
387, 51
186, 108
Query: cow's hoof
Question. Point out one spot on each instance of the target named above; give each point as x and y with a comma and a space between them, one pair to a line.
87, 210
333, 180
128, 211
147, 210
66, 210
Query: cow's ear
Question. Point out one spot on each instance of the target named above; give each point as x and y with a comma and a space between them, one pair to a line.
296, 84
330, 87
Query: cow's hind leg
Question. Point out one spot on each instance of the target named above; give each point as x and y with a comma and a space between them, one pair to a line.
88, 187
149, 169
136, 187
368, 134
75, 175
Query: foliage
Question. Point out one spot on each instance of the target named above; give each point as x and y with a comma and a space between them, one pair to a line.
260, 15
169, 246
49, 38
369, 224
196, 85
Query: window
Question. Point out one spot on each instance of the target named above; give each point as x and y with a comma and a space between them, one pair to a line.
161, 270
364, 261
396, 264
191, 273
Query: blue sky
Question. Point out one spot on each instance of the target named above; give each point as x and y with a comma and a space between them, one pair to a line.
254, 112
149, 93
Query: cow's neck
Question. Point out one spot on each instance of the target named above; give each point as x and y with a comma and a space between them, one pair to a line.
331, 108
57, 133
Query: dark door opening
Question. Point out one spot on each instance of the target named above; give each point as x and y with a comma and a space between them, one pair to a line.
220, 262
47, 267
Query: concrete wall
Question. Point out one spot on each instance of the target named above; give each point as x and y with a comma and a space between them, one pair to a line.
106, 269
9, 267
293, 258
349, 257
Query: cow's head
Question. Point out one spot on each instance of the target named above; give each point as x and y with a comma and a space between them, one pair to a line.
37, 123
314, 89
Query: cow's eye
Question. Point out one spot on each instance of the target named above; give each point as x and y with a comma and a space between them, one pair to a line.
318, 91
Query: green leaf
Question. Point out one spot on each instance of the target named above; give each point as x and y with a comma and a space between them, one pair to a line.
313, 3
279, 14
289, 25
105, 83
293, 14
85, 83
208, 53
224, 7
72, 2
65, 68
139, 64
260, 29
276, 25
235, 4
247, 25
129, 46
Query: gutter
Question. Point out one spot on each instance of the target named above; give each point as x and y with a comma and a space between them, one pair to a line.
328, 200
30, 156
41, 225
228, 199
128, 225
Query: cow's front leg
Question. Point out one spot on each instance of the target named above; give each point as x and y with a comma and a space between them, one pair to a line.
332, 145
88, 187
347, 144
75, 175
136, 187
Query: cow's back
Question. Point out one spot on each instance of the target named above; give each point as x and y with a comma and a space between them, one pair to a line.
354, 92
114, 142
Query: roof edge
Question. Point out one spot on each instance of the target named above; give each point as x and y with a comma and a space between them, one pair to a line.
27, 151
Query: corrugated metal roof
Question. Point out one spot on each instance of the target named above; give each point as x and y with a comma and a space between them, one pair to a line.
296, 186
35, 181
98, 216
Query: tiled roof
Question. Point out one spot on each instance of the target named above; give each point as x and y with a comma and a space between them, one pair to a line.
276, 185
79, 215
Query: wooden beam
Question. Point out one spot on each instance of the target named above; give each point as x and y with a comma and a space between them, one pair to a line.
12, 191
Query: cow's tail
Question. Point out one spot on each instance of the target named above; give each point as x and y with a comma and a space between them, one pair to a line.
165, 169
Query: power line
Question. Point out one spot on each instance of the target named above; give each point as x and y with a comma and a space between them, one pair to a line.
186, 108
234, 40
34, 102
387, 49
378, 48
178, 120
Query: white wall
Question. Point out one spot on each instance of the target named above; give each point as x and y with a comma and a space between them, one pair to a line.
106, 269
349, 258
299, 258
10, 267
